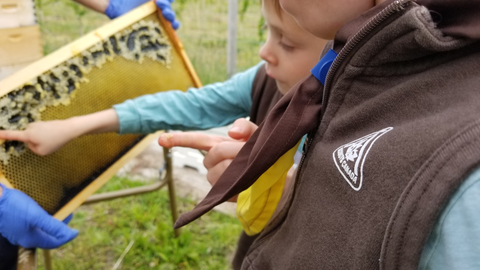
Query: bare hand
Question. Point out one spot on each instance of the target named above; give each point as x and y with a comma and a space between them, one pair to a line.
42, 138
221, 150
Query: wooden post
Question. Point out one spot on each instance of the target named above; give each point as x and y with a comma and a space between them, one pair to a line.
232, 37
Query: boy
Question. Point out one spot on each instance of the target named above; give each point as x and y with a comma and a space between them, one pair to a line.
390, 176
289, 53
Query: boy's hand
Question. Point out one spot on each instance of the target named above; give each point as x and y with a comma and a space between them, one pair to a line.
221, 150
42, 138
23, 222
117, 8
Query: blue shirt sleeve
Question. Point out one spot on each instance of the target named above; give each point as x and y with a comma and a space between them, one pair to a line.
454, 242
213, 105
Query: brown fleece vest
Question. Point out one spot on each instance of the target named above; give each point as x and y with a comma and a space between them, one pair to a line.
399, 133
265, 95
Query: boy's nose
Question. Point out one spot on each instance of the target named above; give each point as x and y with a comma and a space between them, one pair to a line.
267, 54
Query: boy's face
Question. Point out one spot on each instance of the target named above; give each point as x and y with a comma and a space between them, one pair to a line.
290, 51
323, 18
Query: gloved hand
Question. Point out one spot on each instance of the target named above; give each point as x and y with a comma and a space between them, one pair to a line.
167, 12
117, 8
23, 222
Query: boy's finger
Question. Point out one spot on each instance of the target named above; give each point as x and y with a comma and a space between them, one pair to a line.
223, 151
194, 140
242, 129
214, 173
13, 135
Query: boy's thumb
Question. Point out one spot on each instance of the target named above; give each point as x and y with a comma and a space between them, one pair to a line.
242, 129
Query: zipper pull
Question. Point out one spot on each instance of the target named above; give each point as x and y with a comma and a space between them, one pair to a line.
401, 4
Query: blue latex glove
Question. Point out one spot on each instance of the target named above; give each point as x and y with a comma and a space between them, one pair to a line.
117, 8
23, 222
167, 12
67, 219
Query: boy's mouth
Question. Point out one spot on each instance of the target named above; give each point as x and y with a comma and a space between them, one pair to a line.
277, 80
269, 74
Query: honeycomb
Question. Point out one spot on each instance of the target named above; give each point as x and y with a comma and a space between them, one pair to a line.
137, 60
57, 86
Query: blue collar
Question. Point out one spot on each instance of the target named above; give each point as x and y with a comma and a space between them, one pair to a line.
320, 70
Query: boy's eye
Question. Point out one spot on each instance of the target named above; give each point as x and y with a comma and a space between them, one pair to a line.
285, 46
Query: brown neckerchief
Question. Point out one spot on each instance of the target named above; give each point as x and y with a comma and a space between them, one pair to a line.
298, 112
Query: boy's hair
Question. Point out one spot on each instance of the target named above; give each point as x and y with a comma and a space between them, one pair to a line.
276, 4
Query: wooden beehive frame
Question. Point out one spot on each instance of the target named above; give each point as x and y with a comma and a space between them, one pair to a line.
75, 48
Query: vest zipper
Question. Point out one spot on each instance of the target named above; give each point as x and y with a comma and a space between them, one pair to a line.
391, 9
359, 36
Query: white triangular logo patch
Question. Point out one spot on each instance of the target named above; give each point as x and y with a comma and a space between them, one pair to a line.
350, 157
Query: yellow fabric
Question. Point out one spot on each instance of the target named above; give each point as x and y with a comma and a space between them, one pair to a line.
255, 205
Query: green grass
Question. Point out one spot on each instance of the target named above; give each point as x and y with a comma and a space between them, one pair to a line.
107, 228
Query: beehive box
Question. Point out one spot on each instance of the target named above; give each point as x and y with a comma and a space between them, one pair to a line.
20, 45
17, 13
133, 55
